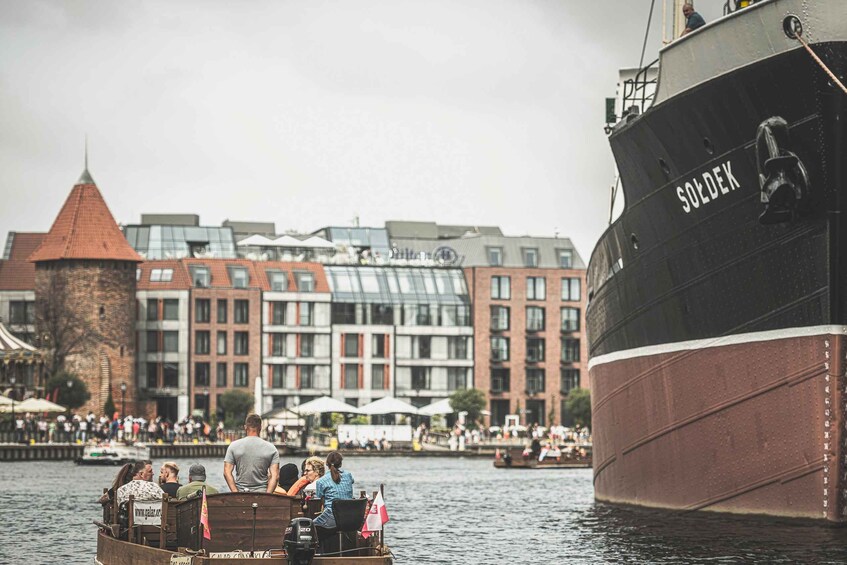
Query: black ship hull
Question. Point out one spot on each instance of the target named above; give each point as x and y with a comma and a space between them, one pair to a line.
716, 320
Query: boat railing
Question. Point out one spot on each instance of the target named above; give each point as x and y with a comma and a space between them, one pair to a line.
639, 91
731, 6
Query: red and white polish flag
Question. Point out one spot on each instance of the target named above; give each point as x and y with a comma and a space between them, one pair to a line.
377, 516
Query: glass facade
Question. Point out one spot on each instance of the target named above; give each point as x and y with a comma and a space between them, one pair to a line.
397, 285
176, 242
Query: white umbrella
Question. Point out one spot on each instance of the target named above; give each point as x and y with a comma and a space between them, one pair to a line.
5, 400
440, 407
388, 405
324, 405
34, 405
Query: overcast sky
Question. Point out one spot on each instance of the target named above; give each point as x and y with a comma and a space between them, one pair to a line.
309, 113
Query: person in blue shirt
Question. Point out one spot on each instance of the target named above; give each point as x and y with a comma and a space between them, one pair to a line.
693, 20
333, 485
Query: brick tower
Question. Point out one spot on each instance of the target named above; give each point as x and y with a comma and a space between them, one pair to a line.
85, 297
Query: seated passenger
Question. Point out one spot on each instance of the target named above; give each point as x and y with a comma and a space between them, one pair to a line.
197, 482
313, 469
141, 485
337, 484
287, 478
168, 478
123, 477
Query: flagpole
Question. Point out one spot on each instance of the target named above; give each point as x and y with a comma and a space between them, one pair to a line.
382, 529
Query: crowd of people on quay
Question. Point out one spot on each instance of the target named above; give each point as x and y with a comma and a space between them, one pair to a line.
77, 428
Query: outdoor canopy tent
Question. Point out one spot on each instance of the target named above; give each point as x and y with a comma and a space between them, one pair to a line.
388, 405
440, 407
33, 405
4, 400
322, 405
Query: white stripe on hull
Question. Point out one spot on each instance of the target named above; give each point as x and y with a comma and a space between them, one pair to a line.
722, 341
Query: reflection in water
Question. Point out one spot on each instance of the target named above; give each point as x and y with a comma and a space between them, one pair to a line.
459, 511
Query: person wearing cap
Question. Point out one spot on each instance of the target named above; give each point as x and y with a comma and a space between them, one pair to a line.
197, 481
168, 478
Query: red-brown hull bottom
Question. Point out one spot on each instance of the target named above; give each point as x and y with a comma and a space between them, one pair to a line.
751, 428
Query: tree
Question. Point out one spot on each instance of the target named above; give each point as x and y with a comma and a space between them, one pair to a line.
72, 396
109, 407
578, 407
61, 331
236, 404
471, 401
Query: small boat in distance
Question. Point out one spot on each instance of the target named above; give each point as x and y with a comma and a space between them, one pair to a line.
573, 456
113, 454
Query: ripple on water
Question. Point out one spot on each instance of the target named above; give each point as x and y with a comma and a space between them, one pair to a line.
459, 511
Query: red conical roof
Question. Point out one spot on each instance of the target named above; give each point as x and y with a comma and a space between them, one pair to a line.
85, 229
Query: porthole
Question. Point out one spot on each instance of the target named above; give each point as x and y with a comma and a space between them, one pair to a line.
707, 143
665, 168
634, 239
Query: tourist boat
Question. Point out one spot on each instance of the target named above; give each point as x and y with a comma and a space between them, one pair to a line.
571, 456
113, 454
244, 528
717, 309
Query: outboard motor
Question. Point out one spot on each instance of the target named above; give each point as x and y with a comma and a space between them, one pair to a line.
300, 541
783, 179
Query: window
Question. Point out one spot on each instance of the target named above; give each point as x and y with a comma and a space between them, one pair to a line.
495, 256
534, 319
161, 275
241, 343
378, 377
201, 342
499, 349
565, 258
221, 349
570, 350
421, 346
351, 345
534, 381
457, 378
241, 311
307, 376
500, 380
170, 375
278, 313
570, 319
343, 313
21, 312
452, 316
305, 281
152, 310
536, 288
171, 309
222, 310
277, 376
200, 275
307, 345
220, 380
239, 374
420, 378
307, 311
499, 318
530, 257
499, 410
501, 288
201, 374
351, 376
278, 345
535, 411
202, 310
570, 289
570, 380
382, 314
239, 276
171, 342
378, 346
534, 350
278, 280
152, 342
152, 375
457, 347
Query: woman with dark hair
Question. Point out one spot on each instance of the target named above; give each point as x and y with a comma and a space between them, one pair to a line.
334, 485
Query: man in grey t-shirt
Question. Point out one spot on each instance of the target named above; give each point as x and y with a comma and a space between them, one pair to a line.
256, 461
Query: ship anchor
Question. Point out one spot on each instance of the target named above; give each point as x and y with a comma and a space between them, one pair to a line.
783, 179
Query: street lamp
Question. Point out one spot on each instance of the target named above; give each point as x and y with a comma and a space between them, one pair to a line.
70, 384
123, 403
14, 425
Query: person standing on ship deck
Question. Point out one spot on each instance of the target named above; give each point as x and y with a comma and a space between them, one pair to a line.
693, 20
256, 461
